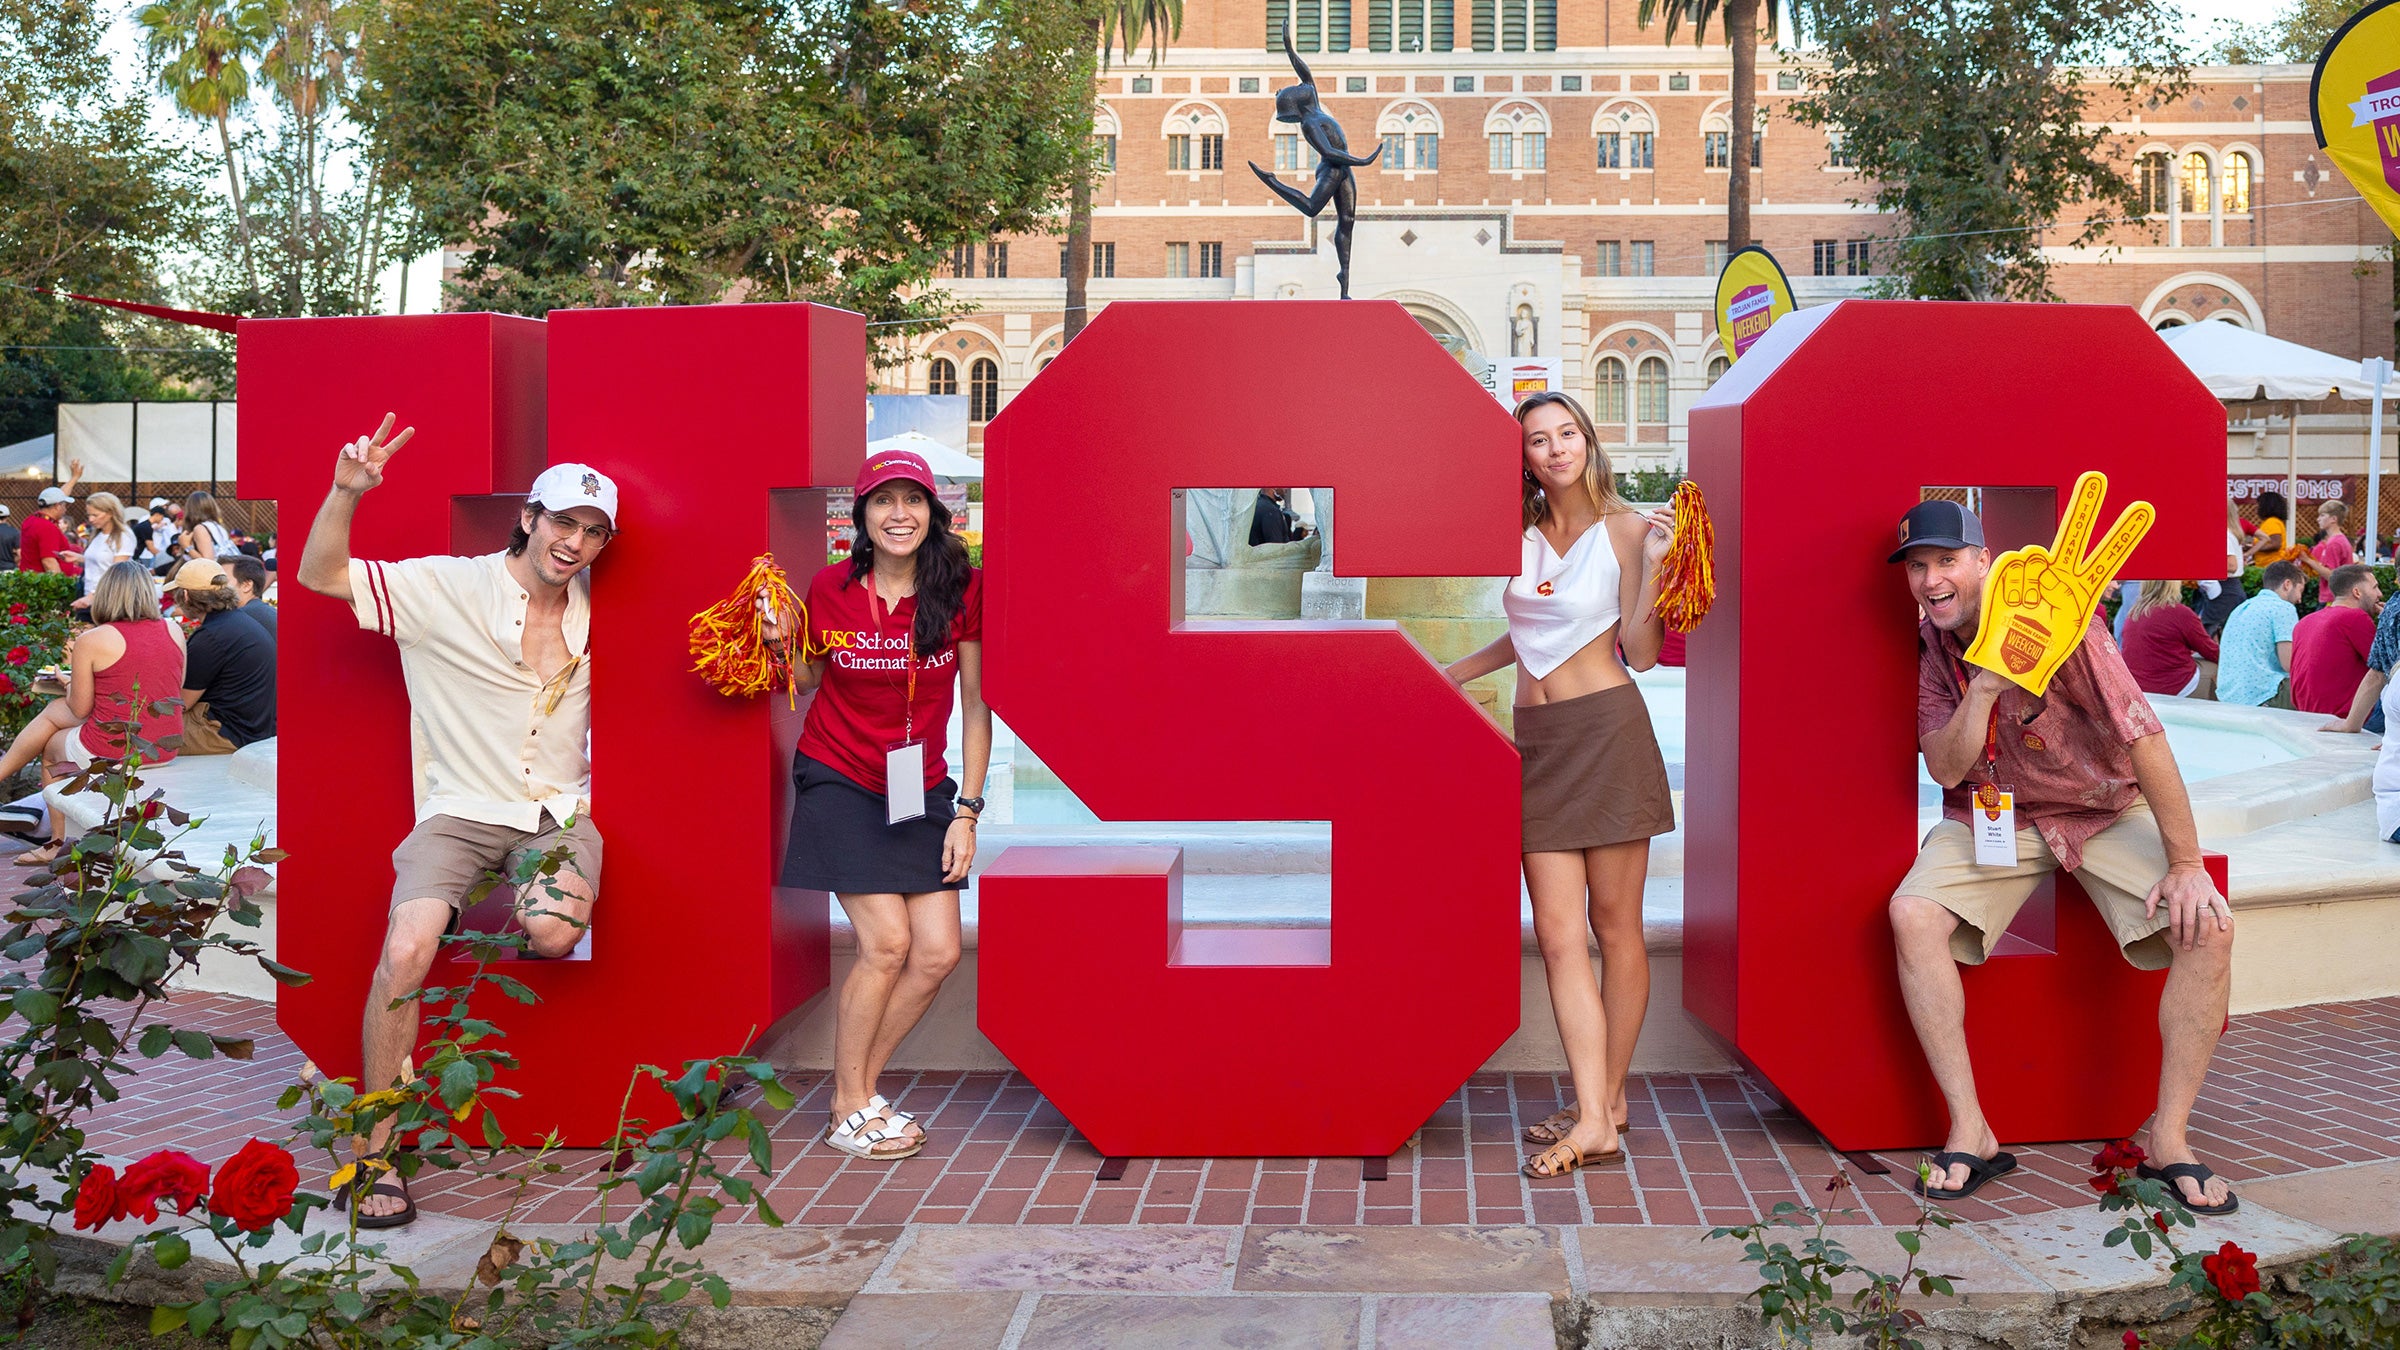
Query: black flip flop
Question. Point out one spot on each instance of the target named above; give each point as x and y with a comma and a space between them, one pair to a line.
1979, 1171
2200, 1174
388, 1183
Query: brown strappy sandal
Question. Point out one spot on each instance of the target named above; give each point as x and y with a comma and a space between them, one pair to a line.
1554, 1127
1563, 1158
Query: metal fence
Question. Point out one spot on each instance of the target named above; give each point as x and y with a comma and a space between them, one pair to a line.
256, 517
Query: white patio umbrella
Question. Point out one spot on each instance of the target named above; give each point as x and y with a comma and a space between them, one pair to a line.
2238, 364
951, 466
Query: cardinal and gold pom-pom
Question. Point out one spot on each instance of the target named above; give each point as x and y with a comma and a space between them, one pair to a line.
729, 639
1687, 577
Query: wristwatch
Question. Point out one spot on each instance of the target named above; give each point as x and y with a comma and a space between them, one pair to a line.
974, 804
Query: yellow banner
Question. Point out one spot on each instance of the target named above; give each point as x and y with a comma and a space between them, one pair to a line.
2355, 101
1752, 293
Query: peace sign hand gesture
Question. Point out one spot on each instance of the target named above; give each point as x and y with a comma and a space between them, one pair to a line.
2038, 601
360, 466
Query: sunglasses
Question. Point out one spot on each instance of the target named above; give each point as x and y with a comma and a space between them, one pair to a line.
598, 534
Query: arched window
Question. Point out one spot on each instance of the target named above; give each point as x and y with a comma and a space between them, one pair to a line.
1608, 393
2154, 183
1518, 136
1650, 391
2236, 191
1627, 135
941, 377
983, 389
2196, 176
2167, 321
1412, 136
1717, 366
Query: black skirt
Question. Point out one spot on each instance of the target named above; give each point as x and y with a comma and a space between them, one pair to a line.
841, 841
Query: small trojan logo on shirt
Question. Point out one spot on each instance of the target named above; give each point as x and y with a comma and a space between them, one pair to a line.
1544, 589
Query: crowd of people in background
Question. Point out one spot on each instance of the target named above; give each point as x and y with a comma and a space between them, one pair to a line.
178, 605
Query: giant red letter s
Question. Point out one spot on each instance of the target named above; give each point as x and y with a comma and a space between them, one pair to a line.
703, 415
1801, 806
1158, 1039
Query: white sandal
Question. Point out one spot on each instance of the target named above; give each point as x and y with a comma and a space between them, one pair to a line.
862, 1135
900, 1120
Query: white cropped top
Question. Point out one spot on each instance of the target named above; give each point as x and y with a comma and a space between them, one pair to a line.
1556, 605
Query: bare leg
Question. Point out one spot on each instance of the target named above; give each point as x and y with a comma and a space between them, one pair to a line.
1937, 1007
1561, 926
933, 950
1616, 873
882, 925
555, 921
410, 942
35, 737
2191, 1015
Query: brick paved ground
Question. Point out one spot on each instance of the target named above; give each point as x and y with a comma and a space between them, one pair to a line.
2291, 1092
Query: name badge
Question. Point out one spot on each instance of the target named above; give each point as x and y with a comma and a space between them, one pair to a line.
904, 781
1995, 810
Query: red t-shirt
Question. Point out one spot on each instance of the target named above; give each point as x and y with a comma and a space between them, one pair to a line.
2329, 658
2164, 647
862, 708
44, 539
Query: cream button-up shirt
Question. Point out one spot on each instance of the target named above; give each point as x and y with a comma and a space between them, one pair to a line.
491, 741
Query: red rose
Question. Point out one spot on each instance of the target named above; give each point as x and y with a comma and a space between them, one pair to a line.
165, 1176
2133, 1340
2161, 1220
254, 1187
18, 608
2235, 1272
18, 618
7, 685
2105, 1183
19, 654
96, 1199
2122, 1156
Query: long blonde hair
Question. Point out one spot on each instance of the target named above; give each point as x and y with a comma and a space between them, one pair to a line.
2154, 595
106, 503
1599, 480
123, 594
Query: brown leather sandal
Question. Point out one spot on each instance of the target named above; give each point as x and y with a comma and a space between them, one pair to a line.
1563, 1157
1554, 1127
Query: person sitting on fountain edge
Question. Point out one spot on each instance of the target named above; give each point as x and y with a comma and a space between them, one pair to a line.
2097, 793
482, 640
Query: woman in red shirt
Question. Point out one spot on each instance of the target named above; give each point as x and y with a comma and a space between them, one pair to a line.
117, 672
2166, 648
892, 633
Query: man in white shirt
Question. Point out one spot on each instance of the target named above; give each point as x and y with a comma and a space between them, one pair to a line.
493, 652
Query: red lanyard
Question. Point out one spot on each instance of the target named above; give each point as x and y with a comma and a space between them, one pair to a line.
1991, 730
908, 714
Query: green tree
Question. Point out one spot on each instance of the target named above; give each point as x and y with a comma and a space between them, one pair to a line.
201, 52
1978, 123
1156, 22
2297, 33
599, 152
308, 62
90, 201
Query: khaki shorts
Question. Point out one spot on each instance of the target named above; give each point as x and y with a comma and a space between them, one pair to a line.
2120, 865
444, 856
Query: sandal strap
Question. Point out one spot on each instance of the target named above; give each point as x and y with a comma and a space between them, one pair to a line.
851, 1123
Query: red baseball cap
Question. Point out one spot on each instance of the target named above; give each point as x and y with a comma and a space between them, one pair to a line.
883, 468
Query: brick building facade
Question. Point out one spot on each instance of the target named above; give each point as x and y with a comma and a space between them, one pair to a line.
1554, 182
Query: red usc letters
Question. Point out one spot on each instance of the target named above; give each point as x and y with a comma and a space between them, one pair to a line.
1802, 797
713, 420
1158, 1039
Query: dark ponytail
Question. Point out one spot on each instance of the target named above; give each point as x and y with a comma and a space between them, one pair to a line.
942, 570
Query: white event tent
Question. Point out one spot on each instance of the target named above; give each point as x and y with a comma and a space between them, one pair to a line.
948, 465
2238, 364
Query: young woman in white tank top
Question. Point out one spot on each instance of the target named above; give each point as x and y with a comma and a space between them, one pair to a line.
1595, 785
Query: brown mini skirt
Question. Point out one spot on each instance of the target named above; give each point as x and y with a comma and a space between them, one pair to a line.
1593, 774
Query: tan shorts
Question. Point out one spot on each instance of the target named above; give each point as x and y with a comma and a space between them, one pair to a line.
444, 856
2120, 865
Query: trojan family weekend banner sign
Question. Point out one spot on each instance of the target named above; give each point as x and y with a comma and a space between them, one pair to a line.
1752, 293
1154, 1037
2355, 103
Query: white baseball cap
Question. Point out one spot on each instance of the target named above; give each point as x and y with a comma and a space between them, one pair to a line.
52, 496
158, 503
4, 509
563, 487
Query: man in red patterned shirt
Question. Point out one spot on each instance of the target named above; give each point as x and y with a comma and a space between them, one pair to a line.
2097, 793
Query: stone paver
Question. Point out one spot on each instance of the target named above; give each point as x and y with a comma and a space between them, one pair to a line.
1520, 1322
2065, 1250
1099, 1322
1445, 1260
1148, 1260
923, 1322
1651, 1265
2361, 1199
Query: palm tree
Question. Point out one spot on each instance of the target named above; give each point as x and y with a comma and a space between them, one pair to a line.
1136, 21
201, 50
309, 63
1741, 23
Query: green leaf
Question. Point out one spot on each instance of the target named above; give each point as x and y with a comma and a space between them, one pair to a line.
170, 1250
691, 1229
1908, 1240
776, 1095
196, 1044
38, 1007
166, 1317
